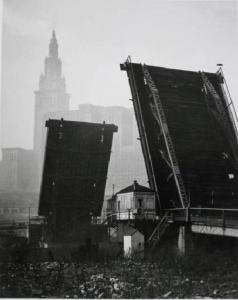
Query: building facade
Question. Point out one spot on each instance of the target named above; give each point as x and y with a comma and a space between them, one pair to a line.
51, 95
18, 170
133, 201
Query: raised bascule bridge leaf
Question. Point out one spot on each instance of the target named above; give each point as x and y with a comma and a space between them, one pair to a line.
75, 169
188, 135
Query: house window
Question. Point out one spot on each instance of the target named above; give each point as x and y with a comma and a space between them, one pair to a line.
140, 201
149, 204
128, 202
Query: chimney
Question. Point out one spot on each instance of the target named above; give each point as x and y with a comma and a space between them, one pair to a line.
135, 184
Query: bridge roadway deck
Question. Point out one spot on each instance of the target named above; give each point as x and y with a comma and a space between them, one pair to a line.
216, 221
19, 223
202, 220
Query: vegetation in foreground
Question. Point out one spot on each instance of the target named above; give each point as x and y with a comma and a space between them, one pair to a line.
197, 275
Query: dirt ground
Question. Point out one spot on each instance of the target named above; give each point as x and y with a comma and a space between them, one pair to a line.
198, 275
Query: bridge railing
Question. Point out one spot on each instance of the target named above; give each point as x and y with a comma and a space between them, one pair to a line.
21, 211
206, 216
19, 216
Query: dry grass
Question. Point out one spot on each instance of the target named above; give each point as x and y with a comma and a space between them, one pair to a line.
200, 274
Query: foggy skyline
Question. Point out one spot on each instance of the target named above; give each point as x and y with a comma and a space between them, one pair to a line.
94, 37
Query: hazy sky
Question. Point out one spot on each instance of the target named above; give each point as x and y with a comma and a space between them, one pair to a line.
95, 36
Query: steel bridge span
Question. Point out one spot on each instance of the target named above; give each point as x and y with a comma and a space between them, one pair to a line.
215, 221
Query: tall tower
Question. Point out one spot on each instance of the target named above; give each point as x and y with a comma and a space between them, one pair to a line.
51, 96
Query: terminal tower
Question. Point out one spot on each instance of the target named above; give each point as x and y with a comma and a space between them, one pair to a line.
51, 96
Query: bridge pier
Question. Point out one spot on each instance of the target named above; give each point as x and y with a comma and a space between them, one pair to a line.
185, 239
182, 240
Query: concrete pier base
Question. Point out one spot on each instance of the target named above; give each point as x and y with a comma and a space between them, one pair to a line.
182, 240
185, 239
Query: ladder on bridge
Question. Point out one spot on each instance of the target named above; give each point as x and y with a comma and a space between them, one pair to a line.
211, 89
168, 141
227, 119
159, 230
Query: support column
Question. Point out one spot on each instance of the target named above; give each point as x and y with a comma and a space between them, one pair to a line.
185, 239
182, 240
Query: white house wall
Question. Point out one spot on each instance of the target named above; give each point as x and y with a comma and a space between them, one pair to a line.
127, 241
129, 201
148, 200
126, 201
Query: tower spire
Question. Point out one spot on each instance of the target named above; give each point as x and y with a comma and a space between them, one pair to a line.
51, 96
53, 48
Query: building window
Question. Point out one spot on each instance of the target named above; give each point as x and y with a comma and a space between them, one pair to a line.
140, 202
150, 204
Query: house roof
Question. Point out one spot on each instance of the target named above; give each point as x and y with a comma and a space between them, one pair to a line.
135, 187
112, 198
131, 231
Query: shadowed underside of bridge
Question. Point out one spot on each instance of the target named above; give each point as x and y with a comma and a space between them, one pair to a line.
201, 131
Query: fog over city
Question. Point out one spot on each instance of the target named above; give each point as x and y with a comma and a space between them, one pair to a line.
95, 37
